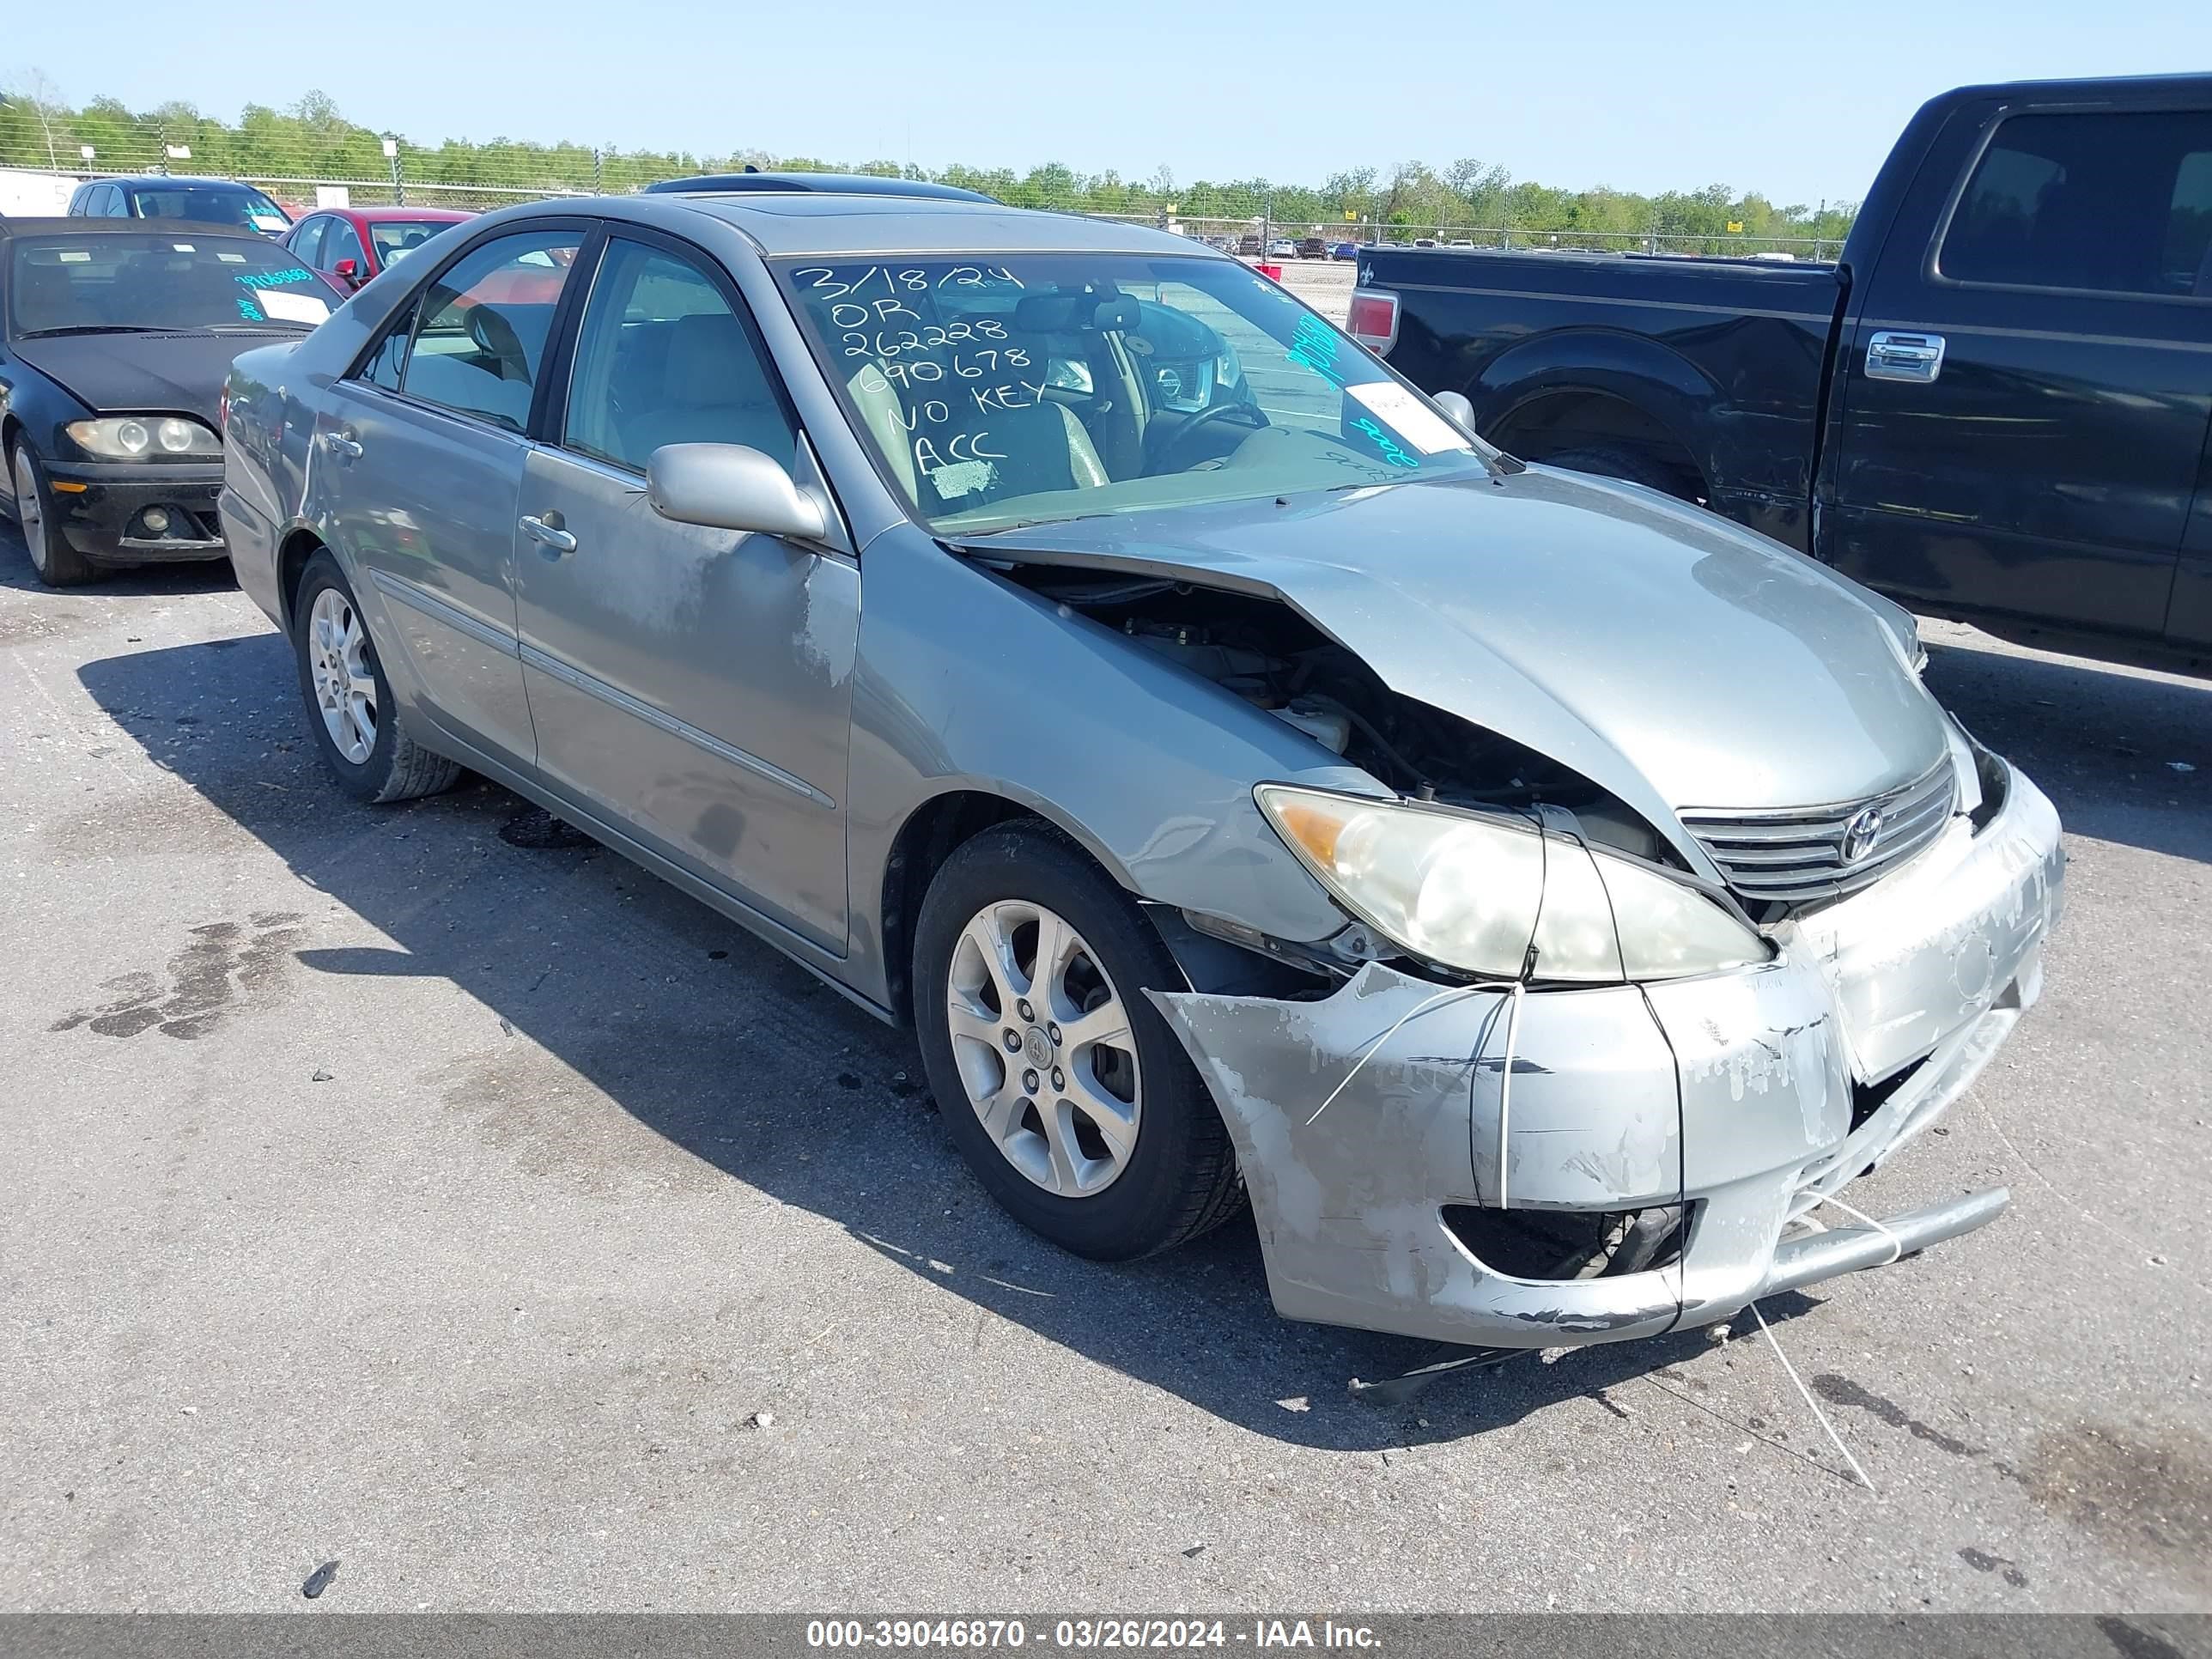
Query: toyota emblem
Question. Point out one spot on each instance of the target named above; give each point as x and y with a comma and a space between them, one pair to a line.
1861, 834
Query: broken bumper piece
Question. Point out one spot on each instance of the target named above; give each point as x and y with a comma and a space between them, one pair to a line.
1725, 1108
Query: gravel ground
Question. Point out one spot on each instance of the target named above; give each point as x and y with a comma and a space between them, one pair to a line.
493, 1220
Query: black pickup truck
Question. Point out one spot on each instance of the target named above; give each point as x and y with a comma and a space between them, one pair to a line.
1995, 406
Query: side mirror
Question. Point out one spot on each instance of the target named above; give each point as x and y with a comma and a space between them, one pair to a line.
730, 486
348, 271
1456, 407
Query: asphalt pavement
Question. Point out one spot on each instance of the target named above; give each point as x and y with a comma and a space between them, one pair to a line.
386, 1187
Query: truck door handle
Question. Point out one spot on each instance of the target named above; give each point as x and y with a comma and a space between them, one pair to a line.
551, 537
342, 443
1917, 358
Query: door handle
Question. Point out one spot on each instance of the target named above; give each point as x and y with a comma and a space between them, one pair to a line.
1917, 358
342, 443
551, 537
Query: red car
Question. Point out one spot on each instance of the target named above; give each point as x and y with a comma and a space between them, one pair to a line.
351, 245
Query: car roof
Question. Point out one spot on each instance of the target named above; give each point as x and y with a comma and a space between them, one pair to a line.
174, 181
86, 226
754, 182
418, 215
2086, 89
836, 224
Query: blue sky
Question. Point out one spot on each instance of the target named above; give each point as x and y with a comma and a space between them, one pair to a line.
1797, 101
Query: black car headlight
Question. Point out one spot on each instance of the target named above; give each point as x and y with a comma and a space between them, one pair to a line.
144, 437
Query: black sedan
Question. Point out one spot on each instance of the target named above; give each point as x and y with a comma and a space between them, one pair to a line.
115, 337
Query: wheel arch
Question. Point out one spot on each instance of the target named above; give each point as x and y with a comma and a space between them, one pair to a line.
297, 546
1578, 386
933, 829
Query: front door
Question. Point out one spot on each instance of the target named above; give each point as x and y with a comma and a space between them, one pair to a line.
417, 474
690, 686
2027, 378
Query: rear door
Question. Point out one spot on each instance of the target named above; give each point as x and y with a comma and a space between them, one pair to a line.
418, 465
690, 686
2026, 383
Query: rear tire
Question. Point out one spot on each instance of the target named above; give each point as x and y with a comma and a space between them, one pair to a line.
58, 564
1042, 1156
1613, 461
357, 726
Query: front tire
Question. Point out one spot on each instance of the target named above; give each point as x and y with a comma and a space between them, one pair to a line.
357, 725
1059, 1081
58, 564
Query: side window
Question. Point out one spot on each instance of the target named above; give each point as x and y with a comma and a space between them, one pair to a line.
663, 359
344, 242
308, 242
2118, 203
2188, 258
481, 341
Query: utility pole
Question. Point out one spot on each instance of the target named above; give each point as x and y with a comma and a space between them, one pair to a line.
599, 171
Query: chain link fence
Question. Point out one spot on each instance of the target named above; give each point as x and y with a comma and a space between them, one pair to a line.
482, 179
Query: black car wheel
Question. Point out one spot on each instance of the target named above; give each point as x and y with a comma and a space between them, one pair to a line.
58, 564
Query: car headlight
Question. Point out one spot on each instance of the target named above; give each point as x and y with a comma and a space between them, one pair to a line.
133, 437
1480, 892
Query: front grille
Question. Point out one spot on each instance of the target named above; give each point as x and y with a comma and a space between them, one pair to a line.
1797, 855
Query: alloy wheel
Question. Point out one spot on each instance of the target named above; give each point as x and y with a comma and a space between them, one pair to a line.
1041, 1038
30, 516
341, 664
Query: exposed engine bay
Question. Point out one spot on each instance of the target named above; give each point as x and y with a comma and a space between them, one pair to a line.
1265, 651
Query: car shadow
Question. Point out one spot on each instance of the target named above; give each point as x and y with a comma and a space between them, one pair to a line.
2125, 756
733, 1054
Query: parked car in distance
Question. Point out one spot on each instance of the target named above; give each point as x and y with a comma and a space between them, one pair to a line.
1287, 796
1994, 408
1344, 250
1312, 247
115, 335
1282, 248
350, 245
193, 201
1250, 247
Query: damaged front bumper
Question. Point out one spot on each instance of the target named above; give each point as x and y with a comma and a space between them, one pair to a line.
1730, 1104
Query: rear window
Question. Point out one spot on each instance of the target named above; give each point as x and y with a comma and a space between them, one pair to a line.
241, 208
2113, 203
167, 281
396, 238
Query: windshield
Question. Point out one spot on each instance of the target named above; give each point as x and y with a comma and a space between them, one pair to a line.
239, 208
1038, 387
157, 281
395, 237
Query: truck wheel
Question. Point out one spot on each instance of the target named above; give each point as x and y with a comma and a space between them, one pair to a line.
1609, 461
1059, 1083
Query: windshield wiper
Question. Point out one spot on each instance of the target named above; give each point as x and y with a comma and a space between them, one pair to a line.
94, 328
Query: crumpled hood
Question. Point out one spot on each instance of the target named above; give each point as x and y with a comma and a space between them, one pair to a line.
1669, 655
179, 373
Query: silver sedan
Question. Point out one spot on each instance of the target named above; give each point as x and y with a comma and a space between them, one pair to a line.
1539, 898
